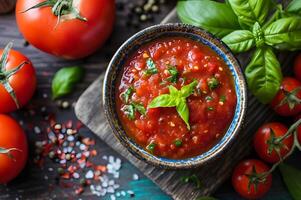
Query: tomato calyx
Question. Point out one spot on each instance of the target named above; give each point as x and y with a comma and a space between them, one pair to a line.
255, 179
6, 74
290, 98
8, 152
275, 144
61, 8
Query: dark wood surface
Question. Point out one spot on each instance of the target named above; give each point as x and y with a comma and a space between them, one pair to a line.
39, 183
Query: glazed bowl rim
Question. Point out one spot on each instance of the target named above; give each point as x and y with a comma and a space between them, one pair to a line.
112, 75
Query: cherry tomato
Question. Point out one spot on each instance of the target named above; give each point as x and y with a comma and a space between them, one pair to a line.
22, 82
287, 101
13, 140
70, 37
266, 145
297, 67
243, 179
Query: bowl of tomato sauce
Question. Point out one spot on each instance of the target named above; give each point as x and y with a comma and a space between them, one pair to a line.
175, 96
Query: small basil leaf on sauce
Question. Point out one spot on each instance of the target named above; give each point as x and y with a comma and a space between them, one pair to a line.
192, 179
164, 100
139, 108
208, 98
127, 94
292, 180
151, 67
176, 99
218, 18
264, 74
64, 81
240, 41
213, 83
174, 74
183, 111
210, 108
187, 90
129, 111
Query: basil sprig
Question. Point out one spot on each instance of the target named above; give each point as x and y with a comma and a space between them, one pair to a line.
256, 29
292, 179
176, 98
64, 81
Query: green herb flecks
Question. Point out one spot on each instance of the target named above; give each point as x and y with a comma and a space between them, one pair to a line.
129, 110
151, 67
174, 74
127, 94
210, 108
151, 147
213, 83
222, 99
208, 98
176, 98
178, 143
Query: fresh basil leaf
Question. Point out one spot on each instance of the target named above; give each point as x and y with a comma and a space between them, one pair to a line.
217, 18
151, 67
129, 111
294, 7
206, 198
264, 74
173, 91
251, 11
187, 90
139, 107
192, 179
240, 41
284, 34
127, 94
164, 100
292, 179
174, 74
64, 81
183, 111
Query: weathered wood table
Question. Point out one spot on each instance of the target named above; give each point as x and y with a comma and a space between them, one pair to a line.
40, 183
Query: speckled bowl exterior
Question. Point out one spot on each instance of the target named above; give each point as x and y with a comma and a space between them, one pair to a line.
116, 67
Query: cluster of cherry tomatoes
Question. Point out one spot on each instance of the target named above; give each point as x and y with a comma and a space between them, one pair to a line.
273, 142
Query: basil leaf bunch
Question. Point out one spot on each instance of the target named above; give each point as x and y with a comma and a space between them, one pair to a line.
65, 79
244, 25
176, 98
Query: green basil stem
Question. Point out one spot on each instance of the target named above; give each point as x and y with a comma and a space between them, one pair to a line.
292, 130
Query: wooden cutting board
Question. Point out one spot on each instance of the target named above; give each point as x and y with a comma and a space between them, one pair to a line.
89, 110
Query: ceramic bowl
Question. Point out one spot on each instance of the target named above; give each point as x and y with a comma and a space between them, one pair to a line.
116, 67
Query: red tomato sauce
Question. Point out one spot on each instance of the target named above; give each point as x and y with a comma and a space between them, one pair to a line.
162, 131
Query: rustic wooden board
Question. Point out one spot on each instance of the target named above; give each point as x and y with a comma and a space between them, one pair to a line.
89, 110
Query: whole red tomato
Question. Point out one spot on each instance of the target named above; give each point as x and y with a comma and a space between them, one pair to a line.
13, 149
297, 67
266, 144
76, 34
247, 179
17, 80
287, 101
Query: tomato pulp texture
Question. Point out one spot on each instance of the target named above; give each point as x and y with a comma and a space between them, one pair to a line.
162, 131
